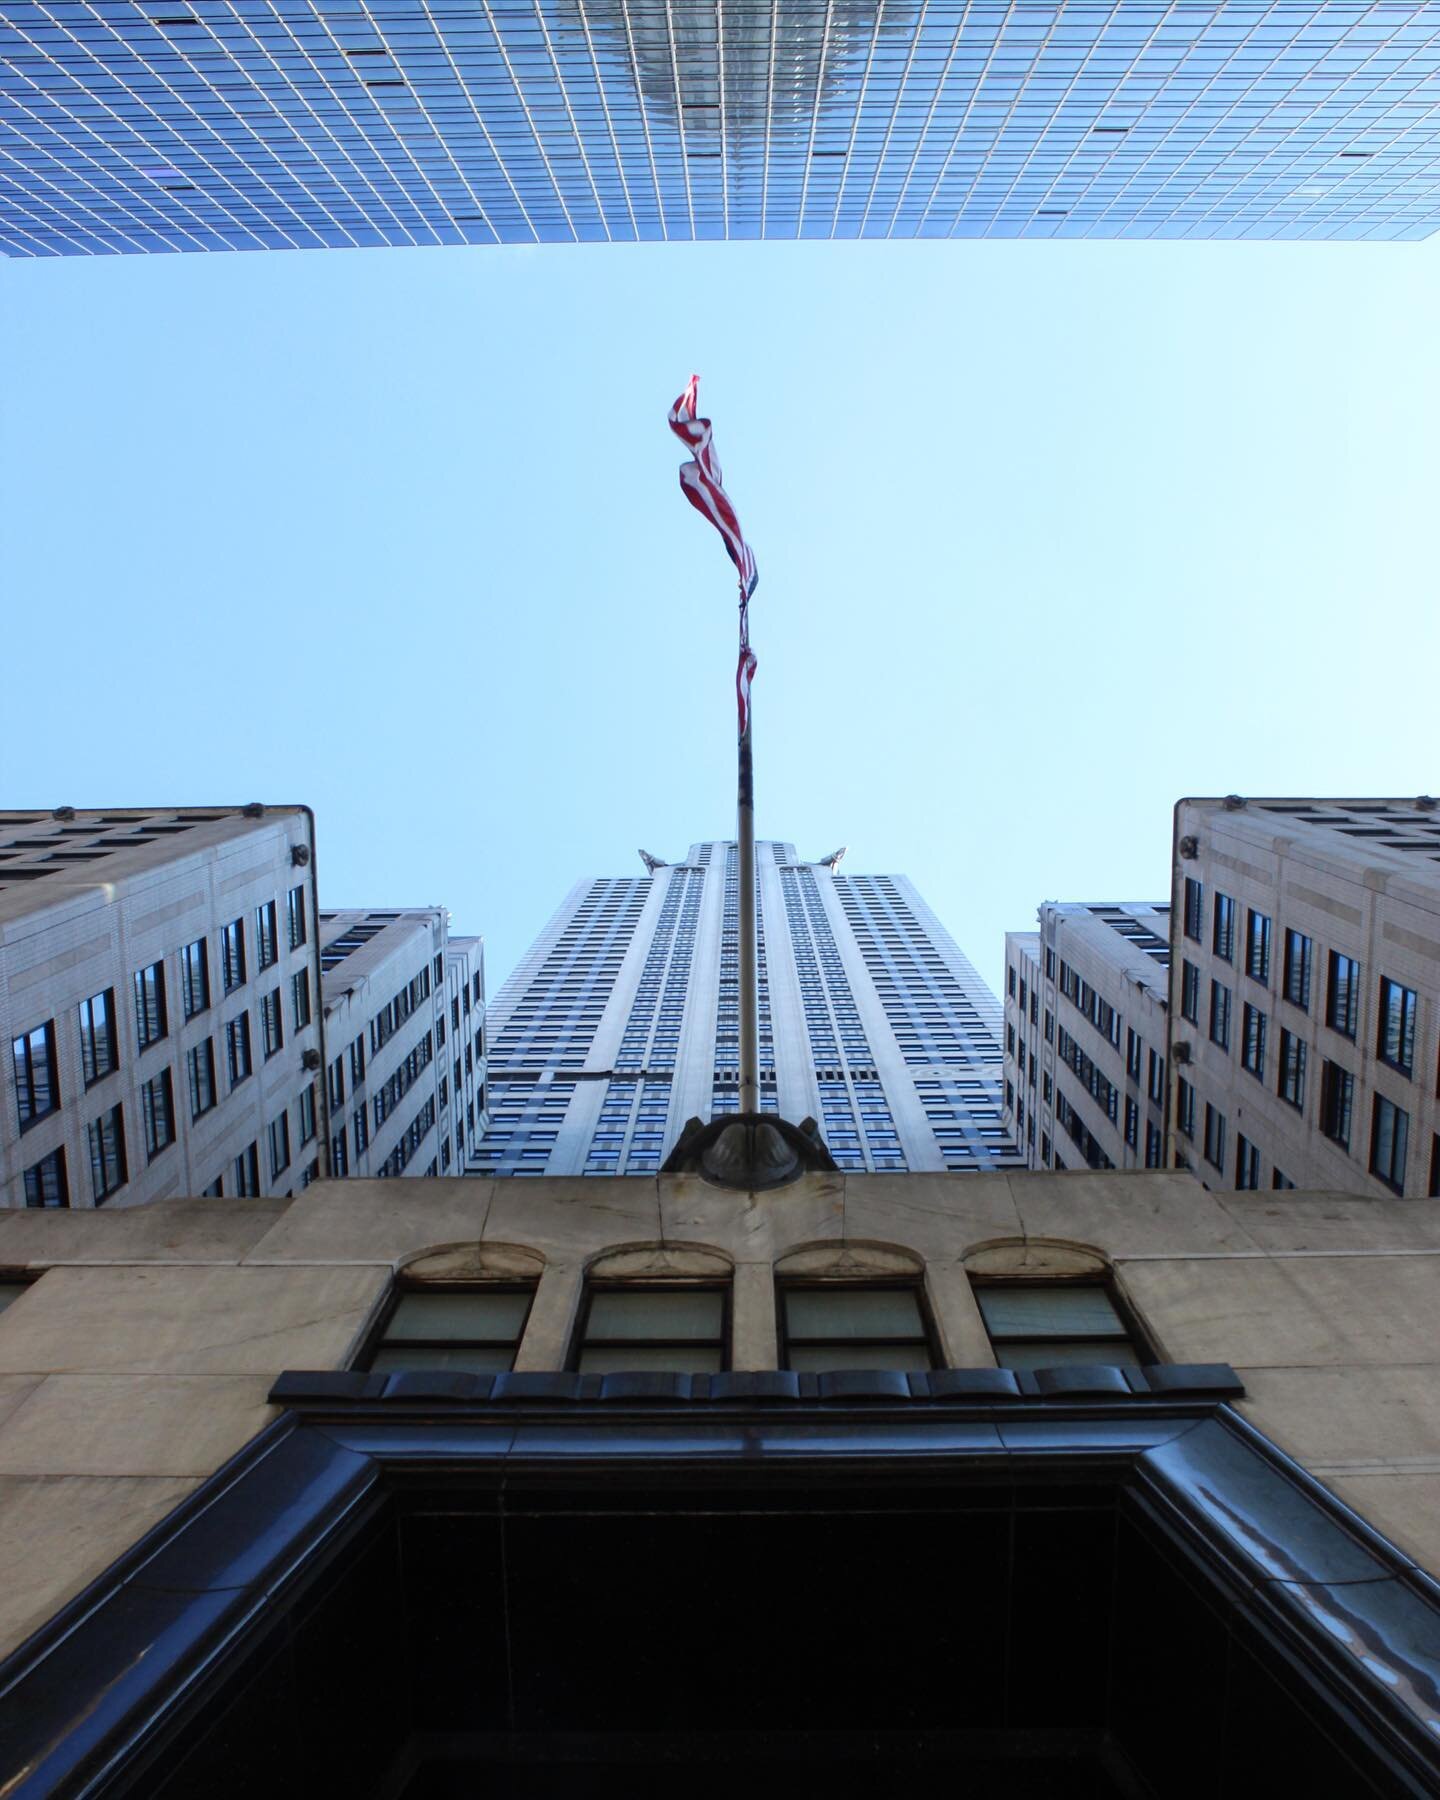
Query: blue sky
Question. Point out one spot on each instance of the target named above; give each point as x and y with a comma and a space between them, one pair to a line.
1048, 535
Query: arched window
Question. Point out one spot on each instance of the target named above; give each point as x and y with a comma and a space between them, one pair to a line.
1045, 1305
460, 1309
855, 1306
664, 1310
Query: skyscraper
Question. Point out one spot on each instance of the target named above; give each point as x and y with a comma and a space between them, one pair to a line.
622, 1022
1086, 1035
182, 1018
1305, 994
237, 124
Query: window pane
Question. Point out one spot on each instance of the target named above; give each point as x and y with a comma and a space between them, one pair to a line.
458, 1316
841, 1311
1041, 1355
473, 1361
1045, 1311
816, 1358
697, 1313
612, 1359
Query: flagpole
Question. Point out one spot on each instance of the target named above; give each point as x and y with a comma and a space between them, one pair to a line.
749, 1002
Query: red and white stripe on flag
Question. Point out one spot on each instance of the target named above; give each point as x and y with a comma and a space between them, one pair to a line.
703, 485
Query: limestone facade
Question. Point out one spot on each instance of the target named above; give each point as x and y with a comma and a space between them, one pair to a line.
139, 1346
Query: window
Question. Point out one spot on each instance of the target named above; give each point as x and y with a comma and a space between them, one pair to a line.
1247, 1164
232, 955
1279, 1180
99, 1053
1043, 1324
1434, 1188
266, 947
157, 1104
1049, 965
336, 1081
295, 916
1342, 995
200, 1064
237, 1048
1154, 1146
1010, 981
1190, 992
1398, 1007
357, 1061
216, 1189
361, 1127
149, 1005
279, 1145
1252, 1040
1155, 1087
1132, 1123
272, 1036
195, 978
37, 1089
46, 1183
339, 1157
1291, 1086
1257, 946
307, 1113
1185, 1107
664, 1326
246, 1172
300, 999
1194, 910
474, 1329
1134, 1052
1214, 1136
107, 1154
1337, 1097
1223, 940
1220, 1015
844, 1325
1298, 950
1389, 1140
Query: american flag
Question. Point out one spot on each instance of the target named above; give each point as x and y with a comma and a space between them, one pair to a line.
703, 486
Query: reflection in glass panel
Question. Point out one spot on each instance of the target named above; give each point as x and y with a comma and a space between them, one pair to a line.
683, 1359
636, 1313
469, 1315
1053, 1309
843, 1311
819, 1357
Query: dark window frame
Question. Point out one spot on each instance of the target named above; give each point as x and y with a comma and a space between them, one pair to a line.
195, 996
26, 1086
1407, 1026
145, 1011
92, 1039
1257, 945
376, 1338
724, 1286
1400, 1134
1345, 1017
785, 1340
1139, 1339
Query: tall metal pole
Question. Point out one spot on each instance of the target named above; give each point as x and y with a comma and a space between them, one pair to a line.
749, 1003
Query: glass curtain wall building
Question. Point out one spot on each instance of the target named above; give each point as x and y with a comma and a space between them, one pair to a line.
622, 1022
277, 124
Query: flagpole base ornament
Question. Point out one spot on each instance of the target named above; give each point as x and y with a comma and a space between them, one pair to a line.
749, 1150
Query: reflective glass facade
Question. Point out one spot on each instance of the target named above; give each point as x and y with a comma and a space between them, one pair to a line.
274, 124
622, 1022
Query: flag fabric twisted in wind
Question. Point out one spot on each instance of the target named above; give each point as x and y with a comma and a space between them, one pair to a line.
703, 486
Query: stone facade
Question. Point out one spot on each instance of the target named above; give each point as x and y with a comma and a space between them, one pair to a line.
1307, 932
1085, 1035
88, 901
139, 1356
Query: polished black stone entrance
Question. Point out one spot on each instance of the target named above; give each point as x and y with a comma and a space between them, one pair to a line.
396, 1598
